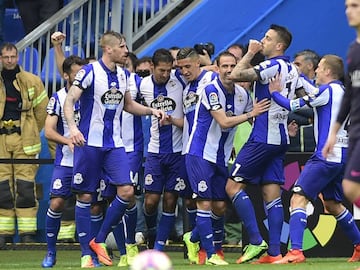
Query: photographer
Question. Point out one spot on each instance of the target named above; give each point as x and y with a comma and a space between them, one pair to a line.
205, 51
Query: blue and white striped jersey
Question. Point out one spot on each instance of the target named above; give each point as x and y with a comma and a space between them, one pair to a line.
271, 127
102, 102
167, 97
131, 125
63, 155
190, 99
207, 139
325, 100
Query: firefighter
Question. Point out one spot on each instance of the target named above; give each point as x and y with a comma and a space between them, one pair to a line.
23, 101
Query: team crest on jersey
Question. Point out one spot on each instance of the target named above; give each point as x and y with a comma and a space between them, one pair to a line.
180, 185
213, 98
172, 83
57, 184
112, 98
229, 113
164, 103
80, 75
122, 78
51, 106
78, 179
190, 102
202, 186
241, 99
148, 180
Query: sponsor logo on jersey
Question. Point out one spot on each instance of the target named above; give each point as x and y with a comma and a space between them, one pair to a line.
80, 75
190, 102
164, 103
213, 98
51, 106
112, 98
355, 78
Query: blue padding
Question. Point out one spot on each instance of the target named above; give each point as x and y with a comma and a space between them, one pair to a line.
27, 52
13, 29
52, 64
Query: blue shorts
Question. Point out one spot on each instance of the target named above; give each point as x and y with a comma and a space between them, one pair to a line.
61, 182
259, 163
106, 190
90, 162
165, 172
136, 168
352, 171
207, 179
320, 176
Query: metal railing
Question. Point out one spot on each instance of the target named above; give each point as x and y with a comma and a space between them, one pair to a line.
83, 22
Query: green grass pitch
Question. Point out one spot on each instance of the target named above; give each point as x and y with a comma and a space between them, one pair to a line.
70, 259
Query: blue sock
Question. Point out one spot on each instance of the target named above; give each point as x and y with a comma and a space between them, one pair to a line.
297, 223
246, 213
96, 222
114, 213
276, 218
53, 220
192, 217
166, 223
349, 227
218, 230
83, 226
203, 223
119, 235
131, 221
195, 235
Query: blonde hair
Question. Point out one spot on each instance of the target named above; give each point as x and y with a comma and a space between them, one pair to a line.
335, 64
111, 38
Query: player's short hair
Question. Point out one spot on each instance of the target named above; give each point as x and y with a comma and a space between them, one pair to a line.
283, 33
186, 52
162, 55
111, 38
335, 64
72, 60
309, 55
224, 53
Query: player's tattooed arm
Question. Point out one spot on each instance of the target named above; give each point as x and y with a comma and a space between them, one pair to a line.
243, 71
247, 75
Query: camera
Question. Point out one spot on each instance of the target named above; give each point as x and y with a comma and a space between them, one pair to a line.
208, 46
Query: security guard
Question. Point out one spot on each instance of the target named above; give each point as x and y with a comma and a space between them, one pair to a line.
23, 101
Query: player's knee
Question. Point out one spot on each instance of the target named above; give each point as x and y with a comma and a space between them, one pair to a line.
125, 192
57, 204
231, 188
151, 203
298, 199
333, 207
6, 199
26, 194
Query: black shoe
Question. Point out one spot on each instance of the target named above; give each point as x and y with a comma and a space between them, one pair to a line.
27, 238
